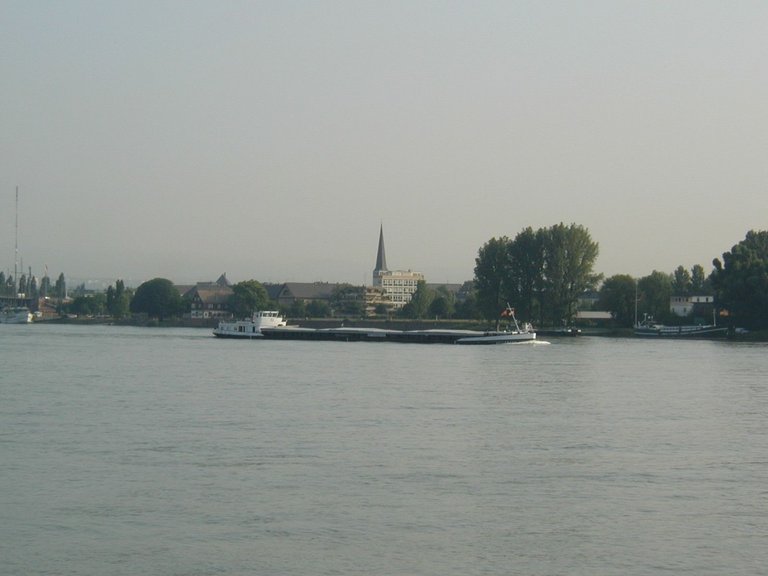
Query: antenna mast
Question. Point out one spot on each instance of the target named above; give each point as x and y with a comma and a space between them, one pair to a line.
16, 247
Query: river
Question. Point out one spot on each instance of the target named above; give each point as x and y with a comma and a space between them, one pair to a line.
160, 451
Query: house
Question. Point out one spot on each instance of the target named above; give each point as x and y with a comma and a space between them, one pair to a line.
306, 292
210, 299
593, 318
699, 305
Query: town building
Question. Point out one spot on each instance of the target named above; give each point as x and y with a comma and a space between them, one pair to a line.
397, 286
210, 299
697, 305
290, 292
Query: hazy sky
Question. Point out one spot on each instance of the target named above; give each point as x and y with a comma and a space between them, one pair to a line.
269, 140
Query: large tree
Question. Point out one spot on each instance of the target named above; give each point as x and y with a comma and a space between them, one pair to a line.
45, 286
526, 262
443, 304
418, 305
682, 282
60, 288
740, 281
654, 293
617, 296
118, 300
569, 258
318, 309
544, 271
699, 282
348, 300
158, 298
88, 305
248, 297
492, 277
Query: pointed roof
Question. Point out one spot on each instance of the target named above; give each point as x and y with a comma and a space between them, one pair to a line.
222, 281
381, 257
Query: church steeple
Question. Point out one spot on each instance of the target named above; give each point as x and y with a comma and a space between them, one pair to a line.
381, 258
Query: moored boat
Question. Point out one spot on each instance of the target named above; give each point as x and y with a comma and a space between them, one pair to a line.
15, 315
251, 327
653, 330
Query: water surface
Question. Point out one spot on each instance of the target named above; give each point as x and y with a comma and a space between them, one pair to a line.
169, 452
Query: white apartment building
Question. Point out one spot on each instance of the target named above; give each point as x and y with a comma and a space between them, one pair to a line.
684, 305
399, 285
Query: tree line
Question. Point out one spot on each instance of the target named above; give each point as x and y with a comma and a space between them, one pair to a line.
630, 300
541, 273
28, 286
738, 285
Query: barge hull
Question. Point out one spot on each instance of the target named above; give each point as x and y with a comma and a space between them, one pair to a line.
398, 336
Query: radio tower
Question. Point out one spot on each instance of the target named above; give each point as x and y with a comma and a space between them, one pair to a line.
16, 247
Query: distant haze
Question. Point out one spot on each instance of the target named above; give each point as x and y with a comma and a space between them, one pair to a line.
270, 140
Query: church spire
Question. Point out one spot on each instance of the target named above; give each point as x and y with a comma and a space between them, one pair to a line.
381, 257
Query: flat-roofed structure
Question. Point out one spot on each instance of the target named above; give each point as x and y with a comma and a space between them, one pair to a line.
398, 285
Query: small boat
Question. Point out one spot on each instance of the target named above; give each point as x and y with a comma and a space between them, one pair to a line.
251, 327
650, 329
563, 331
15, 315
510, 335
569, 331
501, 337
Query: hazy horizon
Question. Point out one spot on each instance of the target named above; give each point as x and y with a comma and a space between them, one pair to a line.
270, 140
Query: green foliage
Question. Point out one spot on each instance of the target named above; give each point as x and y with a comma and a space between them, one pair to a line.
440, 307
569, 257
699, 282
443, 304
318, 309
297, 309
654, 293
418, 306
617, 296
7, 285
88, 305
348, 300
45, 287
158, 298
248, 297
682, 283
492, 277
467, 308
527, 272
541, 272
381, 309
690, 283
60, 288
118, 300
740, 281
